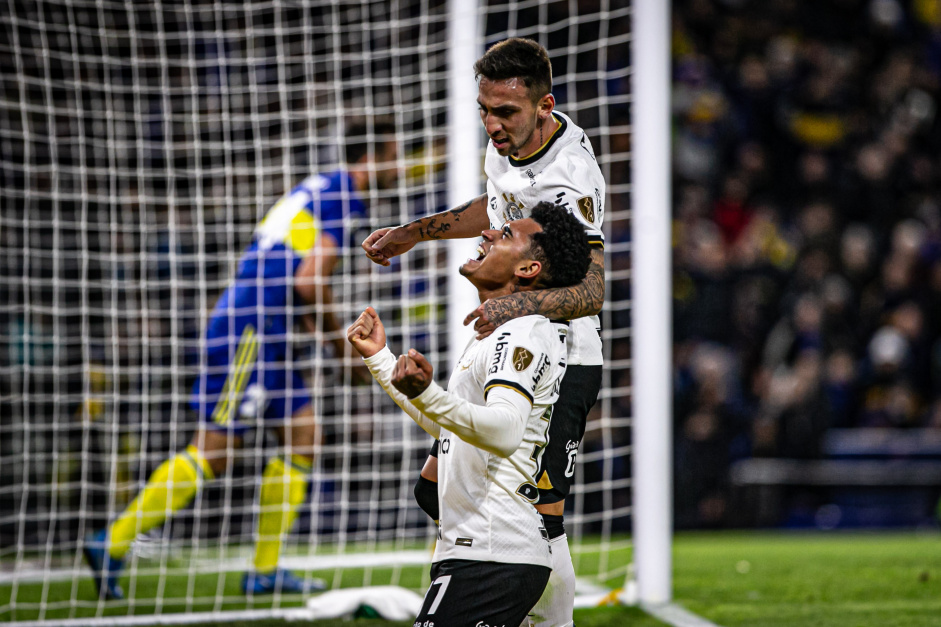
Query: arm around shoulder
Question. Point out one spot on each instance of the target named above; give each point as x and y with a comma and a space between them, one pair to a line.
559, 303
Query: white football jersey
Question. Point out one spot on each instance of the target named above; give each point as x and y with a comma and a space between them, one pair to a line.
563, 171
486, 501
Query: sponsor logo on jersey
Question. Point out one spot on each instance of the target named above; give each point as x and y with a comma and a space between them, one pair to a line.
532, 177
540, 370
499, 354
586, 205
522, 358
464, 541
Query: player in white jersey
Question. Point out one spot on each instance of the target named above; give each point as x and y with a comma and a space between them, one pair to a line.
535, 153
492, 560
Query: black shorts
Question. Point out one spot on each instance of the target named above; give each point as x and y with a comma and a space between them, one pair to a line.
577, 395
465, 593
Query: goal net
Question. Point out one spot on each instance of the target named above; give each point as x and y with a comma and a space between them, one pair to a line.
140, 144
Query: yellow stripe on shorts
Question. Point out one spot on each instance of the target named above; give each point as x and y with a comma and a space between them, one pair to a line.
239, 373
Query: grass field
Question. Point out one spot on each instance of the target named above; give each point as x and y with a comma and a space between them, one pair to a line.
732, 579
811, 580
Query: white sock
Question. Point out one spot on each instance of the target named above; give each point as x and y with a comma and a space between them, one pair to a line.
555, 607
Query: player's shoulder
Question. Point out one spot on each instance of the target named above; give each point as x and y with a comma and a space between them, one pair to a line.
576, 150
517, 345
317, 184
536, 328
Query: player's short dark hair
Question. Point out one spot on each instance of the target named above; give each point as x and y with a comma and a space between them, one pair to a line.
357, 143
562, 248
518, 58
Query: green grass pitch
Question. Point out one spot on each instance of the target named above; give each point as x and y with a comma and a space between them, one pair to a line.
733, 579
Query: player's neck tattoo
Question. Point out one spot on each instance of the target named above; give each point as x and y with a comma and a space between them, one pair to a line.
561, 303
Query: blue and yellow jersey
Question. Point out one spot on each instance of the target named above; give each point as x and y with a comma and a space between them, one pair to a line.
322, 203
248, 372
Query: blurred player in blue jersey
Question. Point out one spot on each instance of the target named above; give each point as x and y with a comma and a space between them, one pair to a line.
248, 376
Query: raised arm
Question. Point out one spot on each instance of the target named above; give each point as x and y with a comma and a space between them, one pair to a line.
497, 427
368, 336
467, 220
562, 303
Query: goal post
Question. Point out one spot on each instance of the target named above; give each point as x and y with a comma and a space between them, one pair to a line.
465, 143
652, 278
140, 145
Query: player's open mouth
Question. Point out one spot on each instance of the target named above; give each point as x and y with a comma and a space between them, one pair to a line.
481, 253
499, 143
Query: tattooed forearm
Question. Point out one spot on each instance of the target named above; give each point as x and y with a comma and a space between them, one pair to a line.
467, 220
563, 303
438, 225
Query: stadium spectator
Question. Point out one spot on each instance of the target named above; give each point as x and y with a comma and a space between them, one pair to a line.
806, 241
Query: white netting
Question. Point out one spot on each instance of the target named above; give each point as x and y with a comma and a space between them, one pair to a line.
140, 143
588, 43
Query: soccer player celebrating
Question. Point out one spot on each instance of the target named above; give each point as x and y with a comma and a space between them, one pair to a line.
248, 374
535, 153
491, 561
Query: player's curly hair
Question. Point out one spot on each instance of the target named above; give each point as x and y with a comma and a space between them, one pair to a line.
562, 248
518, 58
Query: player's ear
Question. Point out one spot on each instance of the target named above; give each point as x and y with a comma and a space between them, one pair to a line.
528, 269
545, 106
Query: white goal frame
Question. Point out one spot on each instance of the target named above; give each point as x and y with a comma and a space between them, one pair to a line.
648, 582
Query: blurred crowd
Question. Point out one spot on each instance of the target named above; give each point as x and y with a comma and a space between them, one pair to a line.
807, 235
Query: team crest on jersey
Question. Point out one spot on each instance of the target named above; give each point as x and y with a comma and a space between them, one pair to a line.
586, 205
513, 209
522, 358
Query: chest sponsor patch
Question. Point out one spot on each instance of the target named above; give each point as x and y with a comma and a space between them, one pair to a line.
586, 205
522, 358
